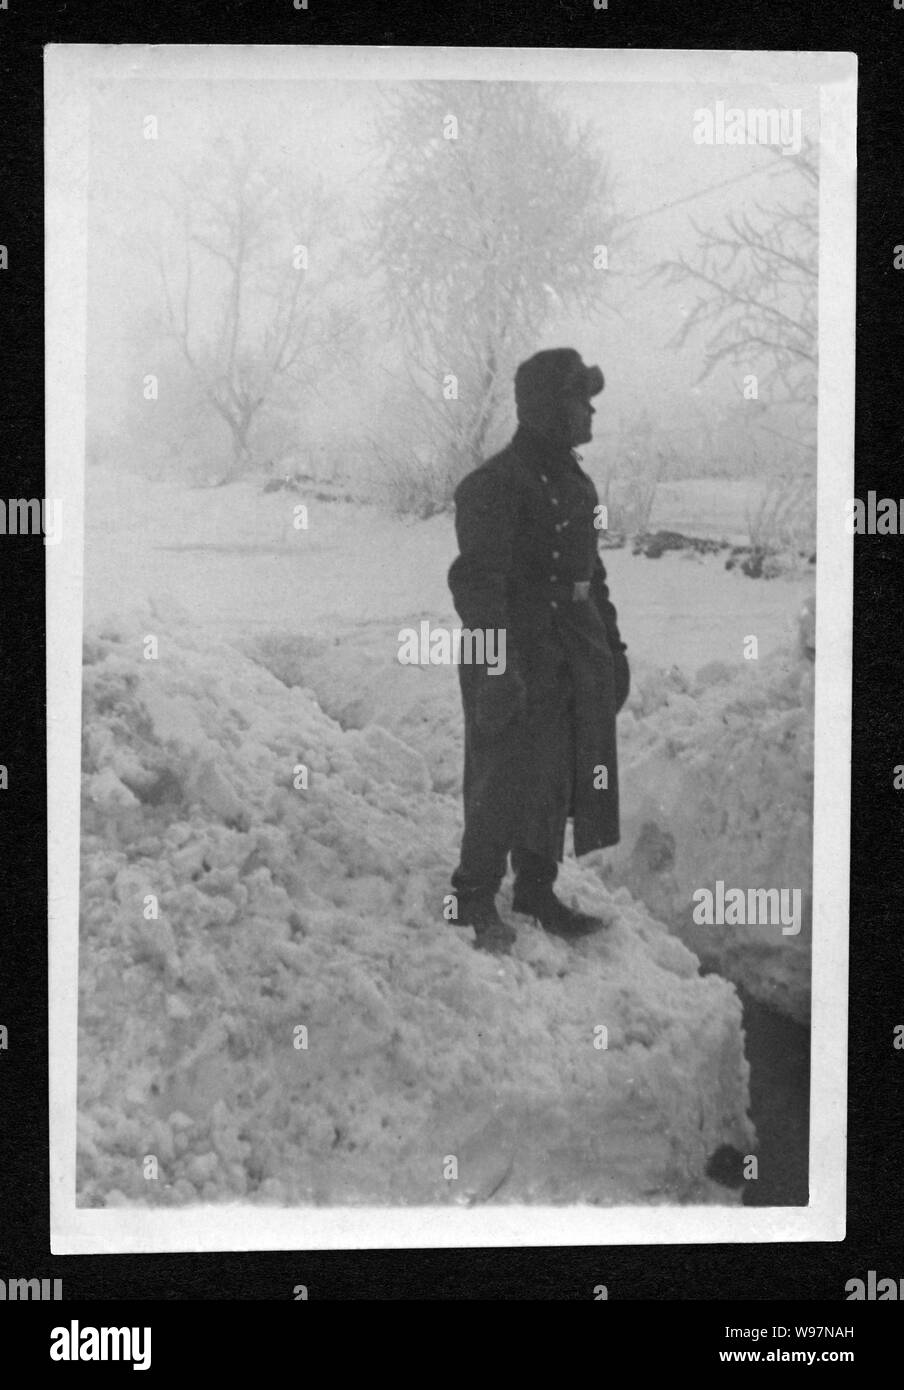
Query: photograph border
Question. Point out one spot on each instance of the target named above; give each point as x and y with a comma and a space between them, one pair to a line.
69, 72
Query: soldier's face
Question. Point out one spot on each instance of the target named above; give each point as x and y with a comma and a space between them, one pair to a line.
579, 415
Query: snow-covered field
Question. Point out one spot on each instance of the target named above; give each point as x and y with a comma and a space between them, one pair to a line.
230, 559
282, 908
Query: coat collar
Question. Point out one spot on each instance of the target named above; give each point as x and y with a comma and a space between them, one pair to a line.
541, 453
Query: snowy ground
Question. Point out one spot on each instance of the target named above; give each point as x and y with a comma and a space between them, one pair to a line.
321, 908
212, 554
282, 907
718, 786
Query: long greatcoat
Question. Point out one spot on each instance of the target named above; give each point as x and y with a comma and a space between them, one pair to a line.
526, 535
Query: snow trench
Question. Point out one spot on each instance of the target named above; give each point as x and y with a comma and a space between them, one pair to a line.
272, 1007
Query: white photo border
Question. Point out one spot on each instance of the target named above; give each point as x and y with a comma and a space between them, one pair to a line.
69, 71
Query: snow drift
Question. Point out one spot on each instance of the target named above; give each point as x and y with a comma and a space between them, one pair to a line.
717, 784
716, 780
273, 1009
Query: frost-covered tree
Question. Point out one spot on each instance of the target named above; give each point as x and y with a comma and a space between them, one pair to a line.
249, 290
495, 215
755, 278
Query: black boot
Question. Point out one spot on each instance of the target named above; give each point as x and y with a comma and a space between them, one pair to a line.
553, 915
491, 932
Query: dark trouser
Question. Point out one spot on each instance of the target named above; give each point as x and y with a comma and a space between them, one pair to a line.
482, 869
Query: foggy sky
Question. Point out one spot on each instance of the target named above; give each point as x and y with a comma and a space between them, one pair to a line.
327, 130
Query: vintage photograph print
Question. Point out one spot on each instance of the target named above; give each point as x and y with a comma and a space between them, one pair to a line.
449, 536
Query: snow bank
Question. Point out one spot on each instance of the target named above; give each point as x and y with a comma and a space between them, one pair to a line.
357, 680
717, 784
716, 778
274, 1010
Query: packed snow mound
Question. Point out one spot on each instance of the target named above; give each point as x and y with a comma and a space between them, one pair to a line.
274, 1010
716, 777
357, 679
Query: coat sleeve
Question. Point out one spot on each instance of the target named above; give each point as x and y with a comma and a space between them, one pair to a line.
484, 525
599, 589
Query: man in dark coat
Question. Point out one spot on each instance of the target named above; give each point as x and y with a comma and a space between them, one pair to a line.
539, 736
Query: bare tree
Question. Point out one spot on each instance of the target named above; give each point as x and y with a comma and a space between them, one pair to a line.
495, 214
755, 279
253, 318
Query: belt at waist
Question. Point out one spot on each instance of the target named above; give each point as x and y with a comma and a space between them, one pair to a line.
577, 591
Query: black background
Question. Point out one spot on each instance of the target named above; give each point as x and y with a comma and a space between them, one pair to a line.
874, 30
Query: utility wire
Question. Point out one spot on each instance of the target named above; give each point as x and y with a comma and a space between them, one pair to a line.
689, 197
